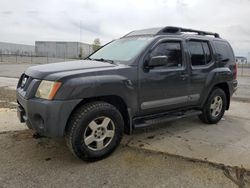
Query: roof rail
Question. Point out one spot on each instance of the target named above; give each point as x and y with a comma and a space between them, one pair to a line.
179, 30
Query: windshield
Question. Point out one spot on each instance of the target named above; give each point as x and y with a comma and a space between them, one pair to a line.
122, 50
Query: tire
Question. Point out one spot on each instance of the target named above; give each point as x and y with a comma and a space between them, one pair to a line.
214, 107
94, 131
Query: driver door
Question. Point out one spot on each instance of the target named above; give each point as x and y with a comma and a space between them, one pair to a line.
164, 87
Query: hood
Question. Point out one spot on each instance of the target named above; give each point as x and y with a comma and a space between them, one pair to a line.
55, 71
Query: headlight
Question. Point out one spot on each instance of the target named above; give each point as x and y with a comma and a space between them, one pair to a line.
47, 89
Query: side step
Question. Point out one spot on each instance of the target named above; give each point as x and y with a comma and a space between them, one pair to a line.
162, 118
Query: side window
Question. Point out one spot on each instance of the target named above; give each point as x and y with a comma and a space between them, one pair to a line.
196, 53
224, 50
170, 49
200, 53
208, 55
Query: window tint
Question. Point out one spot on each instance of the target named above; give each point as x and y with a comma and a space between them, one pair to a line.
170, 49
200, 53
196, 52
208, 56
224, 50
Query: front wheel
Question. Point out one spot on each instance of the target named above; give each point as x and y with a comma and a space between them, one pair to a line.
94, 131
215, 107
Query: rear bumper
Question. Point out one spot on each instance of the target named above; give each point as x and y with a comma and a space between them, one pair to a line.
48, 118
234, 86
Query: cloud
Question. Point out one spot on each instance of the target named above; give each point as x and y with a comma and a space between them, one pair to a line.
26, 21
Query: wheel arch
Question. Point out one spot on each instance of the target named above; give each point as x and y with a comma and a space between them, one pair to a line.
224, 86
114, 100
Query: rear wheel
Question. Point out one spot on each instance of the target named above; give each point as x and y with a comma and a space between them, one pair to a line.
215, 107
94, 131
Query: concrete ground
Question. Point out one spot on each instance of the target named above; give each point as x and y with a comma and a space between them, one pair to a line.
243, 91
30, 162
184, 153
13, 70
224, 143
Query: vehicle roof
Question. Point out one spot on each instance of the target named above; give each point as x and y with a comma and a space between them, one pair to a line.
174, 32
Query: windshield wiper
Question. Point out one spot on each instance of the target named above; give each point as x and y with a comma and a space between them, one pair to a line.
104, 60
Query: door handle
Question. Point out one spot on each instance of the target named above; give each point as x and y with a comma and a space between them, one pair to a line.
184, 76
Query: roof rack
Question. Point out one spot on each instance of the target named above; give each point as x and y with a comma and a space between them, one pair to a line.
179, 30
169, 30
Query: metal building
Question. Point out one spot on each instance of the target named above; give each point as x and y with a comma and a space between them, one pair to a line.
62, 49
17, 49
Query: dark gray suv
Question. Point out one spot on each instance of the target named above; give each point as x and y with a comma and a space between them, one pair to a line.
147, 77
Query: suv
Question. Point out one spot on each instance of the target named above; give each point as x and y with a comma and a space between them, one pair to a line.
147, 77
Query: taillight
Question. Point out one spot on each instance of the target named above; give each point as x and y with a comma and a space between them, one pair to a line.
235, 71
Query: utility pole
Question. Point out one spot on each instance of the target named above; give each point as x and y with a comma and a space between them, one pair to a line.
80, 31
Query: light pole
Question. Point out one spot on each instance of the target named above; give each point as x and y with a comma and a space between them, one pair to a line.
80, 31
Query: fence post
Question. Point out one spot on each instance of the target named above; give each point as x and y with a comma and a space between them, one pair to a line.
241, 69
47, 57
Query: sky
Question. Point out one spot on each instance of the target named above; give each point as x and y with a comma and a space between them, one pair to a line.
26, 21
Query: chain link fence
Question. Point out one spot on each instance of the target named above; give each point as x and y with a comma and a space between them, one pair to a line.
30, 58
243, 69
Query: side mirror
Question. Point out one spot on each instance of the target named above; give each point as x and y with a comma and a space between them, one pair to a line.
157, 61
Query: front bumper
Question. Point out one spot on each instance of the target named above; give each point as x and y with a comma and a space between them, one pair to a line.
48, 118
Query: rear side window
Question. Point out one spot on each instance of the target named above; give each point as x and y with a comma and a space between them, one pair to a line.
200, 53
208, 56
224, 50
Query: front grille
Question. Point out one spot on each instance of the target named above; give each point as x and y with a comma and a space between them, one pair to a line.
27, 88
24, 82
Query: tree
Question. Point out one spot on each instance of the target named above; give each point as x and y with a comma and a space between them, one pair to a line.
96, 44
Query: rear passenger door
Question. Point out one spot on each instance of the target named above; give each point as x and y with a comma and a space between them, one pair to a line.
201, 63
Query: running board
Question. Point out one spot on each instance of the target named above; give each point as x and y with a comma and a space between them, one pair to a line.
147, 121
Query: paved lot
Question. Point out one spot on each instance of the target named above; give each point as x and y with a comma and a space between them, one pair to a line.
227, 142
169, 154
223, 143
29, 162
8, 83
243, 91
13, 70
